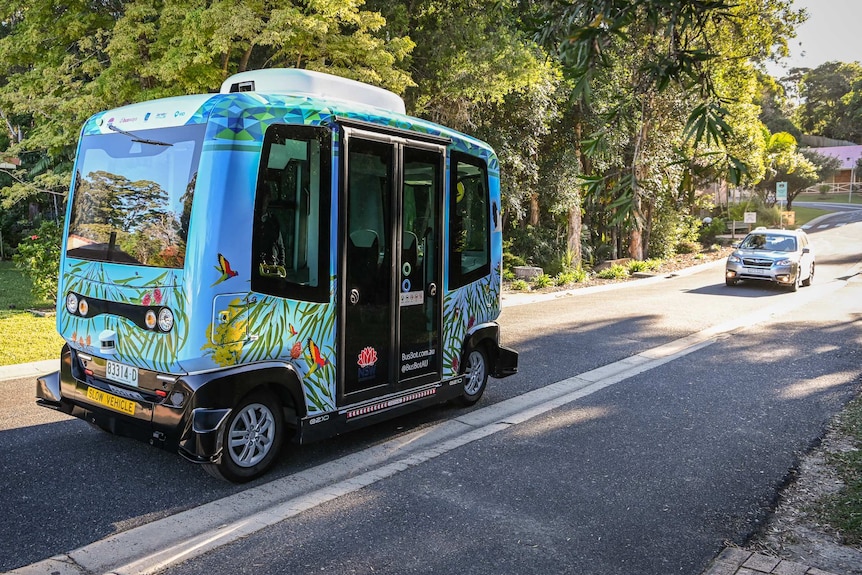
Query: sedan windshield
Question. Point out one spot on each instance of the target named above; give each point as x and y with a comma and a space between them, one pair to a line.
132, 196
769, 242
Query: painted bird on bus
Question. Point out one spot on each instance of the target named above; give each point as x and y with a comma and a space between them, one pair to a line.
224, 268
317, 358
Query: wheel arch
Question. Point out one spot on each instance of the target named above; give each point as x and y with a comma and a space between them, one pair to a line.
484, 336
224, 389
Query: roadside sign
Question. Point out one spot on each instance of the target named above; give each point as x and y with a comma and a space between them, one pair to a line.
750, 218
781, 191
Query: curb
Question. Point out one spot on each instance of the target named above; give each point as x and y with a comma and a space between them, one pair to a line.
34, 369
518, 298
735, 561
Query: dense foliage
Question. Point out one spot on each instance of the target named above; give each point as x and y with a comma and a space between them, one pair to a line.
607, 115
39, 257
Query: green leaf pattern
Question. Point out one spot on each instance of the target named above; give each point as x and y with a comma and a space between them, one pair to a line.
135, 346
464, 309
285, 330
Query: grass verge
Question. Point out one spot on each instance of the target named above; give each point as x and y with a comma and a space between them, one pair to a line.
840, 198
844, 510
24, 337
805, 215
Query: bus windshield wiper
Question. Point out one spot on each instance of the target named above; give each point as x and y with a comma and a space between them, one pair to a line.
136, 138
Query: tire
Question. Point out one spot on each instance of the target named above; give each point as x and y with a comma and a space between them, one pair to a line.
795, 285
476, 371
730, 283
251, 439
807, 281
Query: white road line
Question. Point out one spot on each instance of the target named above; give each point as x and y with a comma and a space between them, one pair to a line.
150, 548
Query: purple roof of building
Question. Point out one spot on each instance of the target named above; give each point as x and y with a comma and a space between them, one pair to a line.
847, 154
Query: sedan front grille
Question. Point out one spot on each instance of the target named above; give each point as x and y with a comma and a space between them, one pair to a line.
757, 262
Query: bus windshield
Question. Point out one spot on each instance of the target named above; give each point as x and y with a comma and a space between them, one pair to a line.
132, 196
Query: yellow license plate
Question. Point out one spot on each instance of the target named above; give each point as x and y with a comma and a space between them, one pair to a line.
111, 401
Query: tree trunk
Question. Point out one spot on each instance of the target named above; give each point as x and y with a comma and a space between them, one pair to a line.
635, 244
534, 209
573, 236
574, 227
647, 229
243, 63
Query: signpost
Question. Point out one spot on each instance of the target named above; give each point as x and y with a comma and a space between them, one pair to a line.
781, 196
781, 191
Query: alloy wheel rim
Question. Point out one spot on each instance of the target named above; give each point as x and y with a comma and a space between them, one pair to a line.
475, 373
251, 435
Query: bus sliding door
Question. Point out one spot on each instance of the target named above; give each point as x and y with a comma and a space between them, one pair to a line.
392, 289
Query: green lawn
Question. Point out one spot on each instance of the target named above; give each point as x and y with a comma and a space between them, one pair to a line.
831, 198
24, 337
805, 215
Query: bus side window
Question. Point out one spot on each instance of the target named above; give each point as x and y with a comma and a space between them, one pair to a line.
469, 229
291, 216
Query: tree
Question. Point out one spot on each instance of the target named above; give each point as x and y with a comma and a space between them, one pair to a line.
832, 101
784, 163
477, 70
776, 110
661, 52
168, 47
49, 53
62, 62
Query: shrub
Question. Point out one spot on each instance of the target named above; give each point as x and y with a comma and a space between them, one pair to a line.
650, 265
708, 233
39, 258
688, 247
670, 228
510, 260
537, 245
542, 281
572, 276
519, 285
615, 272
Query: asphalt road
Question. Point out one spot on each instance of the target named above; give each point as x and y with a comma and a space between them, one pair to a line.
649, 475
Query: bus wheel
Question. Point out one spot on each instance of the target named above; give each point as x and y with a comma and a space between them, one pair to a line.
251, 439
476, 374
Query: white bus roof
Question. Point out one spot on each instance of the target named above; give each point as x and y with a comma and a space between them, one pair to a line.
293, 81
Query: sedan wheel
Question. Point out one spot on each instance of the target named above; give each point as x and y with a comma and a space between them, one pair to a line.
797, 281
807, 281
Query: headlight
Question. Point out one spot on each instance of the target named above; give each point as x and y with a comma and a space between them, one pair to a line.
784, 262
166, 319
734, 259
72, 303
150, 319
83, 307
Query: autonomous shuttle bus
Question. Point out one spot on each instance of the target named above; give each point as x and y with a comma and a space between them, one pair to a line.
290, 258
